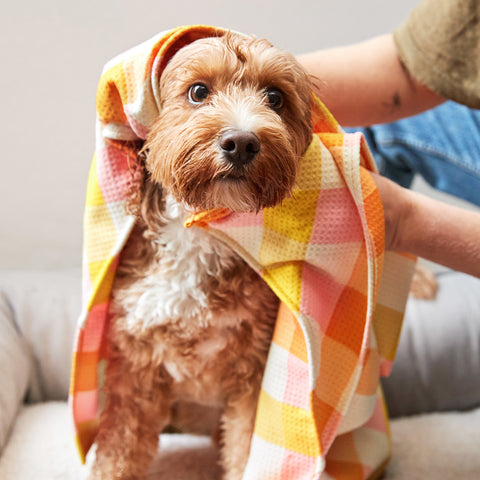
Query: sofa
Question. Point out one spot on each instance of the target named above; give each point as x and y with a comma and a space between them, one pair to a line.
433, 394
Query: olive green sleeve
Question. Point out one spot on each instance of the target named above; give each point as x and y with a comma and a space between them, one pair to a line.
439, 44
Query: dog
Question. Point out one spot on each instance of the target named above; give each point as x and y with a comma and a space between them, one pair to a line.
191, 322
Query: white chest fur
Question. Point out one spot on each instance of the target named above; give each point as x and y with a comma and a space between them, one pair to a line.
175, 289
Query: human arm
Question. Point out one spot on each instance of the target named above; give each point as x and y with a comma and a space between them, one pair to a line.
431, 229
366, 83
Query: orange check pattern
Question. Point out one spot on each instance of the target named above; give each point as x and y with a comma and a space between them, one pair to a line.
320, 412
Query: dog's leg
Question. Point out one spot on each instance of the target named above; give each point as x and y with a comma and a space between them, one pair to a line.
130, 425
237, 424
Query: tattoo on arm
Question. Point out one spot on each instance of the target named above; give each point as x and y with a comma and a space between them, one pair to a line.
395, 103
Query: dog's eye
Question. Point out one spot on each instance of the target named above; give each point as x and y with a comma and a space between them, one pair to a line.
274, 98
197, 93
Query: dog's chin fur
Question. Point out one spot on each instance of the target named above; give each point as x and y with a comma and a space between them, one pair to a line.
190, 321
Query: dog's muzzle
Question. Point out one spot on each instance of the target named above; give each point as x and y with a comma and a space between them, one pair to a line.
239, 147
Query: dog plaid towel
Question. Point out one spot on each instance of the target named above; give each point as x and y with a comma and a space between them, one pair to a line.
320, 412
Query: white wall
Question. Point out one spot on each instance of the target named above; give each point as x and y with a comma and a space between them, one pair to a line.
52, 53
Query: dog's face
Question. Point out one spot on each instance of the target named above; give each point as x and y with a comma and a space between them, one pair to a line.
235, 119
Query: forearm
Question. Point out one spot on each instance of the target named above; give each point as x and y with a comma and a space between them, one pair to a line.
429, 228
366, 84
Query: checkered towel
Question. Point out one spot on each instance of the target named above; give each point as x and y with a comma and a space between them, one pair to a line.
320, 412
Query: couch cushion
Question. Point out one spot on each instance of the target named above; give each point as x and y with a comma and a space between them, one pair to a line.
16, 367
435, 446
424, 447
42, 445
437, 367
45, 307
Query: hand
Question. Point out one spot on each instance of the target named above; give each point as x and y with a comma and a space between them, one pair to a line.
431, 229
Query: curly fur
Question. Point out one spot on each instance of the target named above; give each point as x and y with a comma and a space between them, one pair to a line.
191, 322
237, 70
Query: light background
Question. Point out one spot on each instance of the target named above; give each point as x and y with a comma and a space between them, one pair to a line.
52, 53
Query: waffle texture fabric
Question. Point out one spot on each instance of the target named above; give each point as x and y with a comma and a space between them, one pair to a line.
320, 412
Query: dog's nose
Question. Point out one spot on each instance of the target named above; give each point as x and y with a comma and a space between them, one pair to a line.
239, 147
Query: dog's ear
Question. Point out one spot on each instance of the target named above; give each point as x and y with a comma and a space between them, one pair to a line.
137, 180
